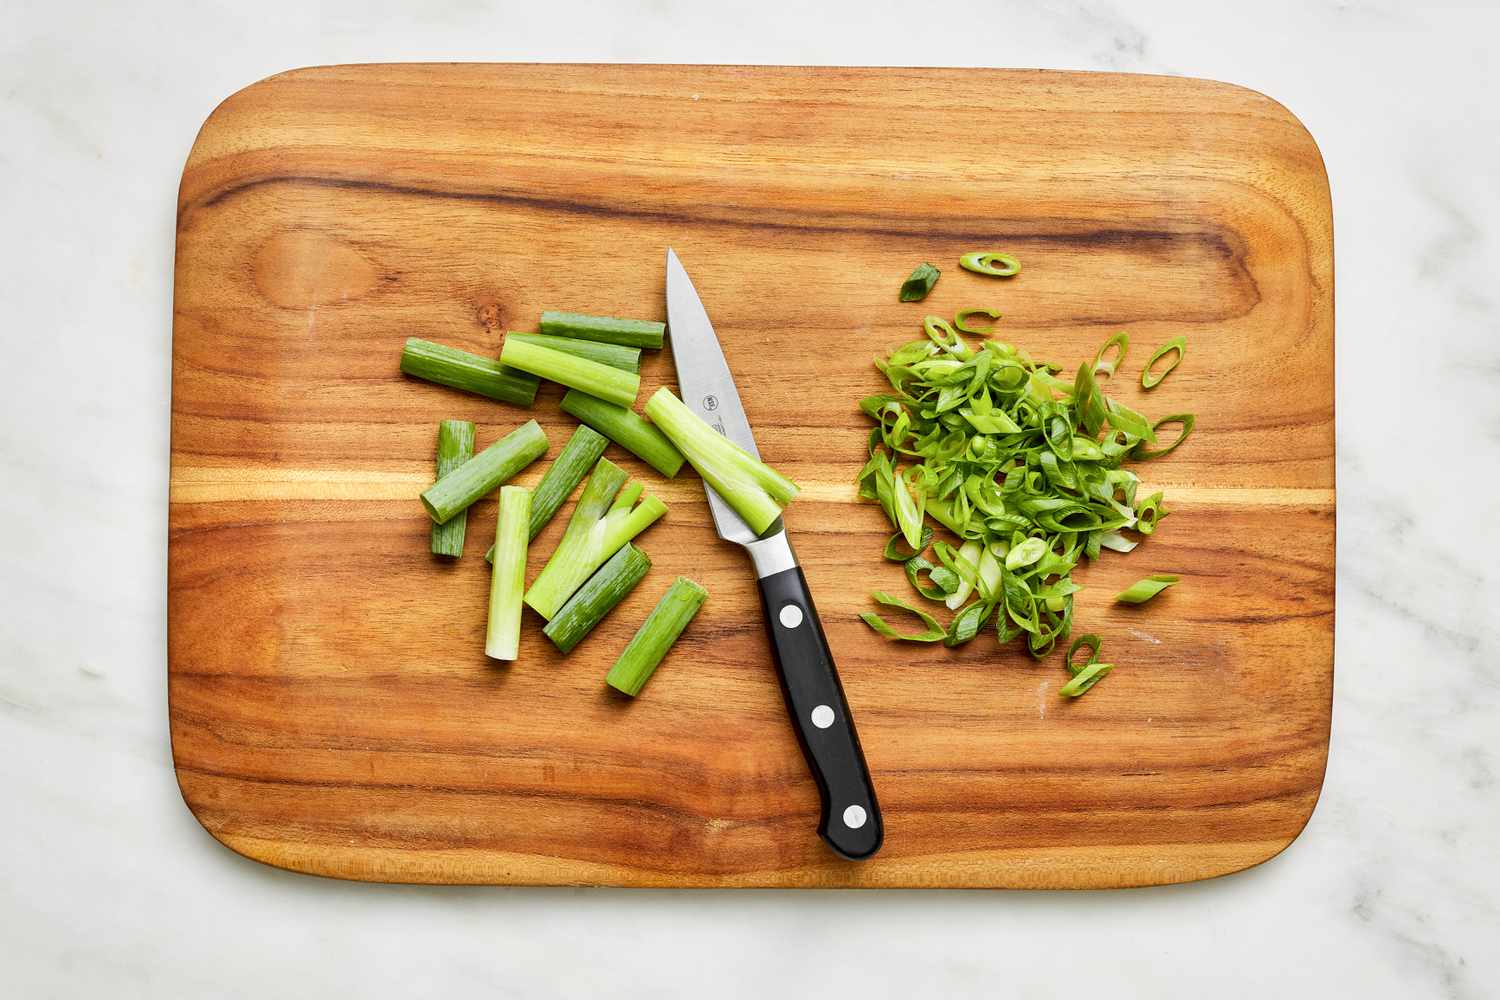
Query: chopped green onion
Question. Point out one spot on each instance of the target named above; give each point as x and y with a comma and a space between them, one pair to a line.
968, 623
1028, 552
661, 629
1102, 366
756, 491
1148, 512
604, 519
916, 287
455, 446
1143, 590
627, 359
963, 564
462, 487
1001, 265
893, 548
933, 633
1093, 643
1085, 679
942, 581
502, 638
461, 370
630, 332
609, 384
1149, 378
566, 472
627, 429
1183, 421
597, 597
961, 321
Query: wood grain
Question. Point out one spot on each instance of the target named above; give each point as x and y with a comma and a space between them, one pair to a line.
332, 710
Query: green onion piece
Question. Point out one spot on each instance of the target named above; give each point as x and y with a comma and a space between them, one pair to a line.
627, 359
563, 475
896, 549
461, 488
1001, 265
756, 491
1183, 421
1026, 553
963, 564
1143, 590
626, 428
1085, 679
461, 370
1149, 378
916, 287
630, 332
455, 446
1093, 643
909, 510
933, 633
943, 580
1148, 512
1102, 366
609, 384
656, 635
961, 321
502, 638
597, 597
604, 519
968, 623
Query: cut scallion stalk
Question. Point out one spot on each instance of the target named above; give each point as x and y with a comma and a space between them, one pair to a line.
461, 370
626, 428
566, 472
1085, 679
660, 630
605, 518
1001, 265
627, 359
461, 488
756, 491
609, 384
597, 597
630, 332
916, 287
455, 446
1143, 590
502, 638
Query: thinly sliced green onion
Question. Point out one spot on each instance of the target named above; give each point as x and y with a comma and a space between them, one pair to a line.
461, 370
1085, 679
661, 629
1093, 643
943, 581
609, 384
963, 564
597, 597
933, 633
916, 287
627, 359
455, 446
626, 428
961, 321
1148, 512
1143, 590
462, 487
756, 491
1108, 366
909, 510
1001, 265
1026, 553
1149, 378
604, 519
502, 639
1183, 421
630, 332
968, 623
896, 550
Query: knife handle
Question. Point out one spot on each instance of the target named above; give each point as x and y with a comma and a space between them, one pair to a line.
815, 698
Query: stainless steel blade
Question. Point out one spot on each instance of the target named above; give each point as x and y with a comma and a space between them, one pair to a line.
708, 388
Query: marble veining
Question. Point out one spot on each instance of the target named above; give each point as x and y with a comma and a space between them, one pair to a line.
111, 888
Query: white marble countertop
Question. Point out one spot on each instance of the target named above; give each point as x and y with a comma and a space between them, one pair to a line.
111, 888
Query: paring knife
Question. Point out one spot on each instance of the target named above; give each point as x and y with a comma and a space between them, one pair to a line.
814, 697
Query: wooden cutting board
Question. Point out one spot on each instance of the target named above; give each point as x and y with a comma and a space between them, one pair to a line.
332, 710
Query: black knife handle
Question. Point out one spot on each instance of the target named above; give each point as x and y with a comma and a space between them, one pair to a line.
815, 698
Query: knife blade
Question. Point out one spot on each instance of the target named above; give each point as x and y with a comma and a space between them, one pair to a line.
850, 822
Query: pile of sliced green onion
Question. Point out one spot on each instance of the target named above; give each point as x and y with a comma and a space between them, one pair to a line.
1026, 470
